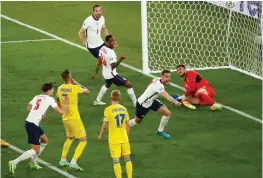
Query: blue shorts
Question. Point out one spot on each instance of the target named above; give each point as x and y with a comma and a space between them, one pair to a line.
142, 111
33, 133
117, 80
95, 51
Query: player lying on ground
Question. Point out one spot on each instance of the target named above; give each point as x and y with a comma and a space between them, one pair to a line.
108, 59
148, 101
90, 32
116, 118
198, 90
37, 107
71, 120
4, 143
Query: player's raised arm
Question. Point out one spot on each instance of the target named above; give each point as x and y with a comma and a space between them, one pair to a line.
82, 89
169, 98
116, 64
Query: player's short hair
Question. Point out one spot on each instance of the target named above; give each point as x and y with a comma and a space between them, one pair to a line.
115, 95
95, 6
180, 65
108, 37
47, 86
65, 74
165, 72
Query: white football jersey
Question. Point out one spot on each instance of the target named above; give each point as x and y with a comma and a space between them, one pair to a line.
93, 31
151, 93
108, 56
40, 104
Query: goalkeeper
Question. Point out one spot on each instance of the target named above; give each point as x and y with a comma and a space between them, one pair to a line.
198, 90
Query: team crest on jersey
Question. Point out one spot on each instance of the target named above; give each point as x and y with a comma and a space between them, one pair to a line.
161, 88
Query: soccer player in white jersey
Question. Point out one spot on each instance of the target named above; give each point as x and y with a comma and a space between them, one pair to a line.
108, 59
90, 32
37, 108
148, 101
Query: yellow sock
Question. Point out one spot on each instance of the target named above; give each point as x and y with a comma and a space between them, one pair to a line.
128, 167
66, 147
79, 149
117, 168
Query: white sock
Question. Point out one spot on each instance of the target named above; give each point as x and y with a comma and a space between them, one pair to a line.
132, 122
73, 161
27, 154
163, 123
42, 146
132, 95
63, 159
101, 93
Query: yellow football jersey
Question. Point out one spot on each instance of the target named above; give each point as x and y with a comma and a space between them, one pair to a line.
71, 91
117, 116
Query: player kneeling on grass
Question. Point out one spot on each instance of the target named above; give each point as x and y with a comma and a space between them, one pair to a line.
37, 107
148, 101
198, 90
116, 118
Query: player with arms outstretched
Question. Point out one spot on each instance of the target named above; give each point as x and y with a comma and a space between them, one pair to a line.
90, 32
116, 118
198, 90
71, 120
108, 59
148, 101
37, 107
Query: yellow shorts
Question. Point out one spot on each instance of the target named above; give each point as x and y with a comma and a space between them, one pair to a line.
116, 150
74, 128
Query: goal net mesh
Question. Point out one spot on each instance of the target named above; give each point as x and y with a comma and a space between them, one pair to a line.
201, 35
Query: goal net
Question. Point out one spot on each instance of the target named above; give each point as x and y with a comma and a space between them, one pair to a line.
202, 35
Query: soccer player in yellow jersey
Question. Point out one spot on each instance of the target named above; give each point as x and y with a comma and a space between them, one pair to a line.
71, 119
116, 118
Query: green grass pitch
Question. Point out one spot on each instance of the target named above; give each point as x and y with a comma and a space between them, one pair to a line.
204, 144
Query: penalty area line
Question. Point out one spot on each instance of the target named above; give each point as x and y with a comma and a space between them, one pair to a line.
26, 41
64, 173
122, 64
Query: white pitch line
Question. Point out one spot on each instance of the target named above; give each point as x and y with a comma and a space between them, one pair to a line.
26, 41
44, 163
123, 64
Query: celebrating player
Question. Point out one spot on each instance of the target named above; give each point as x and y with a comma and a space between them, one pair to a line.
90, 32
148, 101
71, 120
37, 107
198, 90
116, 118
109, 61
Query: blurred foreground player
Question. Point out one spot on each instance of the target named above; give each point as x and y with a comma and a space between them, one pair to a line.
198, 90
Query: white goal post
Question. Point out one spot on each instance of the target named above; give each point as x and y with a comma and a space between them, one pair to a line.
202, 35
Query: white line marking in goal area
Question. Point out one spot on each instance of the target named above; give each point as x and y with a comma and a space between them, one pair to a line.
25, 41
123, 64
44, 163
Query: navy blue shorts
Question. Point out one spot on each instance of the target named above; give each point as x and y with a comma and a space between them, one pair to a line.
95, 51
142, 111
117, 80
33, 133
